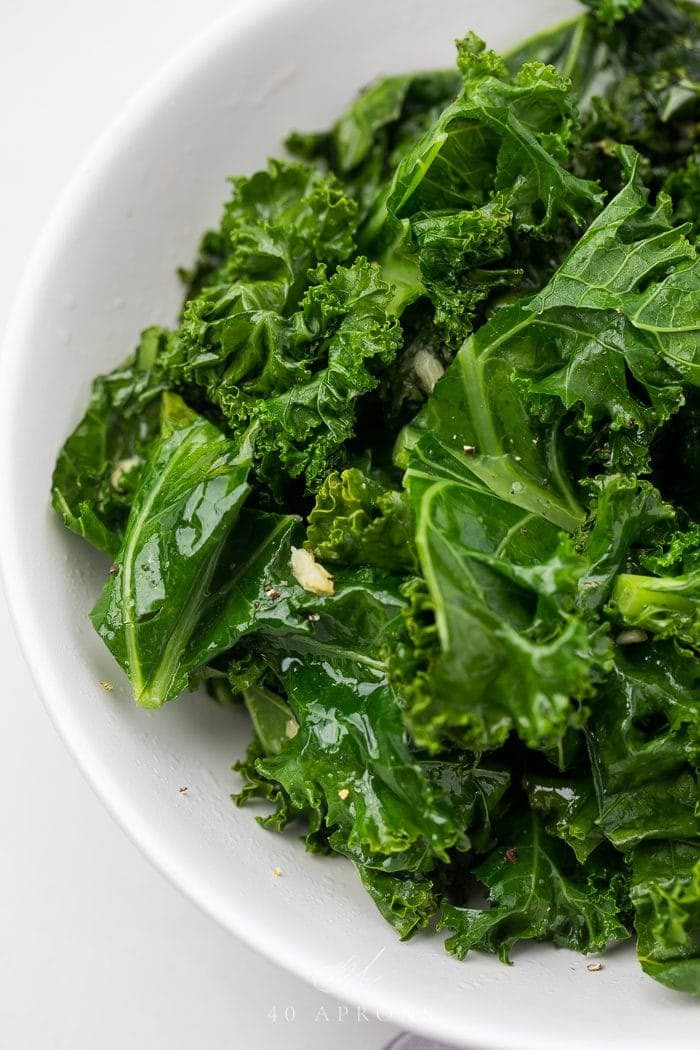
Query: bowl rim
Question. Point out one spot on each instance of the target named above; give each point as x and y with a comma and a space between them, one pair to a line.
140, 107
245, 17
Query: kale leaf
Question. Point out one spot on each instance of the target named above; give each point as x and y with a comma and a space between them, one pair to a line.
357, 520
538, 891
665, 892
414, 479
189, 495
99, 465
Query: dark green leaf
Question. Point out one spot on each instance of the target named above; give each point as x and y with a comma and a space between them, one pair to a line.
538, 891
513, 655
98, 468
570, 809
636, 81
298, 377
487, 169
328, 654
644, 739
624, 511
188, 498
385, 119
667, 606
665, 893
406, 900
357, 520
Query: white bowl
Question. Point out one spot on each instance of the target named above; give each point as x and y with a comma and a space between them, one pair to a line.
106, 268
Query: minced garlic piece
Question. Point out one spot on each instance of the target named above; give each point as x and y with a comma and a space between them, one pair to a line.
123, 467
631, 637
343, 793
428, 370
291, 729
309, 574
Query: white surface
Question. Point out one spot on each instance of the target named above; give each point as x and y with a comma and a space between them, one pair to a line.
106, 269
96, 947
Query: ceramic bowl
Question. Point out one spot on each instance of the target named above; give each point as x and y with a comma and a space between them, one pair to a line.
105, 269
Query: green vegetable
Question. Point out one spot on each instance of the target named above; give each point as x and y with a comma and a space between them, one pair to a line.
643, 740
538, 890
407, 901
184, 507
513, 651
665, 893
415, 479
99, 465
357, 520
489, 168
572, 808
668, 607
635, 71
376, 128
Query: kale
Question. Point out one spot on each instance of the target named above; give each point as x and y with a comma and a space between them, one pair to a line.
415, 479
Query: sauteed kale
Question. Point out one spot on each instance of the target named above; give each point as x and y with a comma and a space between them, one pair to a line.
415, 478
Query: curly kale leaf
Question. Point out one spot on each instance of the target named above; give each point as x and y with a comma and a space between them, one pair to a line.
488, 169
405, 885
366, 796
502, 135
265, 707
363, 145
635, 260
407, 900
281, 334
665, 892
538, 891
644, 743
513, 651
643, 737
569, 806
297, 377
357, 520
627, 517
188, 498
637, 81
508, 636
680, 552
344, 327
277, 224
608, 343
339, 752
99, 466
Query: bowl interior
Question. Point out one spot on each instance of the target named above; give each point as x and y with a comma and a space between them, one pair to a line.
104, 270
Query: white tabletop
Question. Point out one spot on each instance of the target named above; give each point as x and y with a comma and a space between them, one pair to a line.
97, 950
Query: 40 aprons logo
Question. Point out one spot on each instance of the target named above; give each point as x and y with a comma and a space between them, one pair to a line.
354, 973
329, 1013
353, 970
